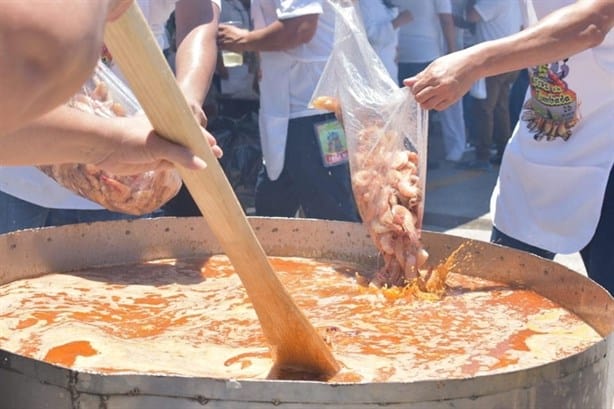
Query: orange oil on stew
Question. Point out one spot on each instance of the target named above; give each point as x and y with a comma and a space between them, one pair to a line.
396, 318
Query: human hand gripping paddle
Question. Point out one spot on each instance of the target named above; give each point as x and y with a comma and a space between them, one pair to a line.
295, 343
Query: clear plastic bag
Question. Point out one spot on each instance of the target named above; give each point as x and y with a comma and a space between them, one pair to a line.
107, 96
386, 133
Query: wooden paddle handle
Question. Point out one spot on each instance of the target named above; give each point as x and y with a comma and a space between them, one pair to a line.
294, 341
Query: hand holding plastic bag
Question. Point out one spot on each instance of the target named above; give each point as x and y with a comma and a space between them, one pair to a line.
106, 96
386, 133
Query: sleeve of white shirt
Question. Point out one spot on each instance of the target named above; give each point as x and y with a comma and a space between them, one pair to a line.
443, 6
379, 33
295, 8
489, 9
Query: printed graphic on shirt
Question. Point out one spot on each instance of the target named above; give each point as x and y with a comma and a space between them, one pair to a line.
552, 110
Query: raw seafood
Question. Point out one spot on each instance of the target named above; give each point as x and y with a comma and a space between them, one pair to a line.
388, 193
386, 132
135, 194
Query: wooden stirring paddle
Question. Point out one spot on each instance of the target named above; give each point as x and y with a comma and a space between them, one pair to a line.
295, 343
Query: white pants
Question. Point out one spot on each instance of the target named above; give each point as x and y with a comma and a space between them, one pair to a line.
453, 131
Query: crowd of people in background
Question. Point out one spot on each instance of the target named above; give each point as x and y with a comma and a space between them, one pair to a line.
283, 54
470, 62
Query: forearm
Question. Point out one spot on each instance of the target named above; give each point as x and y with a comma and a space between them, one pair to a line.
563, 33
196, 47
195, 63
282, 34
63, 135
449, 31
47, 54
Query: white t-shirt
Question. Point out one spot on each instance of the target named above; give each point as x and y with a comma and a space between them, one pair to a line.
289, 77
500, 18
422, 39
30, 184
550, 192
384, 38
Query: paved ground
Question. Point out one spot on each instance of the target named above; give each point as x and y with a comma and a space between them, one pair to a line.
457, 203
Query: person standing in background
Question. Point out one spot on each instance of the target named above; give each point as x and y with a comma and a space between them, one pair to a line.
493, 19
465, 38
237, 81
294, 39
429, 35
519, 87
382, 20
30, 199
193, 55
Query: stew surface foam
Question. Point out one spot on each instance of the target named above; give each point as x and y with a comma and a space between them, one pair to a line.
192, 317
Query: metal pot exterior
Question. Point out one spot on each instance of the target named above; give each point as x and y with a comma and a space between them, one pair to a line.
584, 380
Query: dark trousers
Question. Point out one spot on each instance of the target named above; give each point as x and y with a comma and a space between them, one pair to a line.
409, 69
17, 214
322, 193
517, 94
491, 116
182, 205
598, 255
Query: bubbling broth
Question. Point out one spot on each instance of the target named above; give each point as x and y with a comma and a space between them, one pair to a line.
192, 317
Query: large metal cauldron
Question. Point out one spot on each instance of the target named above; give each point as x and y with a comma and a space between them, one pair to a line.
582, 381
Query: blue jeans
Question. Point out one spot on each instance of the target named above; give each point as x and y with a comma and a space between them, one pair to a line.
17, 214
598, 255
323, 193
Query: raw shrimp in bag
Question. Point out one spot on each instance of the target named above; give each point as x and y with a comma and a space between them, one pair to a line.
105, 95
386, 133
